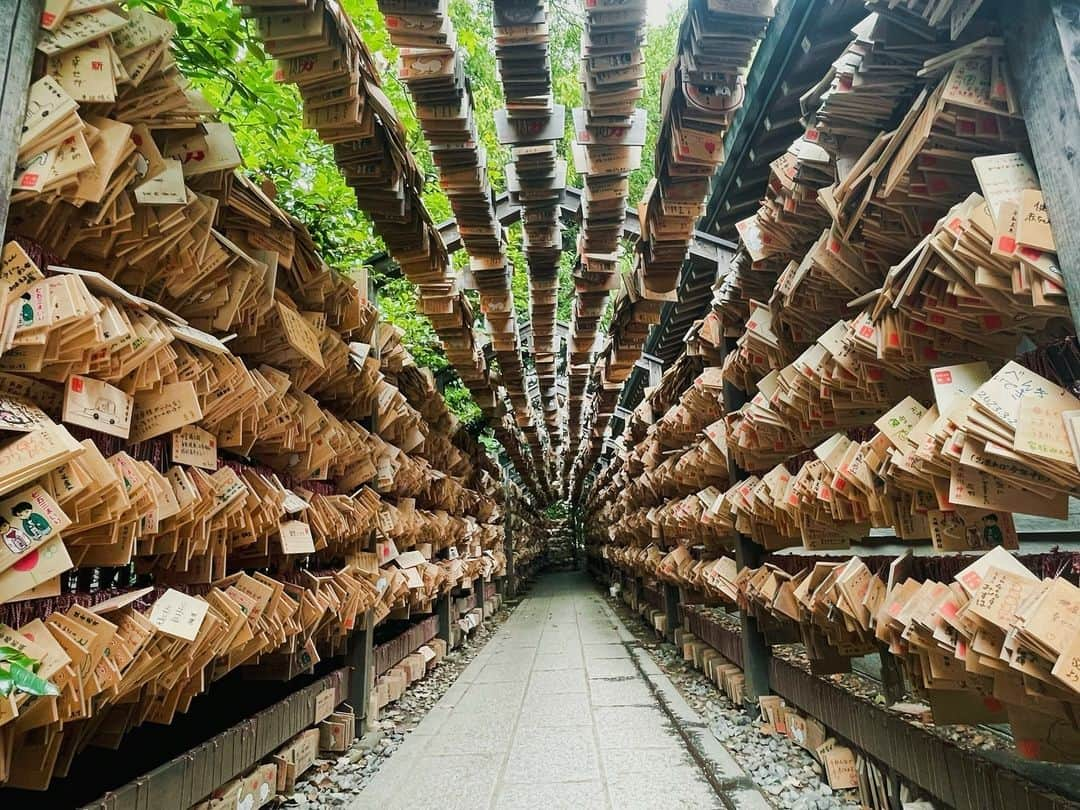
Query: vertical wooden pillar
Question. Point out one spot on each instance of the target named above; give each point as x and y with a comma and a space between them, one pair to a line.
755, 650
671, 610
892, 676
893, 791
362, 660
508, 548
443, 609
654, 366
19, 26
1042, 38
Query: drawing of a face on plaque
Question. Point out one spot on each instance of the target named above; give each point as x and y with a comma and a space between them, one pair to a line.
28, 519
16, 540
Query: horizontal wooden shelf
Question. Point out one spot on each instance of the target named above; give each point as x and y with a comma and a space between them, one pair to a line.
195, 774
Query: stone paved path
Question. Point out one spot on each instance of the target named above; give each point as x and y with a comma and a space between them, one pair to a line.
554, 713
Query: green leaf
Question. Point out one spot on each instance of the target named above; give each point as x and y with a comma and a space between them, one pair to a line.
17, 657
24, 680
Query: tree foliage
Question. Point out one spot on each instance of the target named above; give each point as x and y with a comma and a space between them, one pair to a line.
557, 510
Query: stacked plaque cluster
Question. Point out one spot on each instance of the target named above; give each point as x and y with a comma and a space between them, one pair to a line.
609, 133
702, 90
433, 71
531, 125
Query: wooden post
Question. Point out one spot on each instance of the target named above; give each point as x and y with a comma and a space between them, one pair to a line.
362, 660
19, 27
755, 650
671, 610
1042, 38
443, 608
892, 676
508, 548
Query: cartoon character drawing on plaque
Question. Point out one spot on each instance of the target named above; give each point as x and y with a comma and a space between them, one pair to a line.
16, 541
34, 525
26, 311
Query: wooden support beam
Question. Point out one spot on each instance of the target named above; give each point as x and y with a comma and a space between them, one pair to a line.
19, 26
190, 777
756, 653
362, 660
671, 610
443, 609
653, 366
892, 676
508, 549
1042, 38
